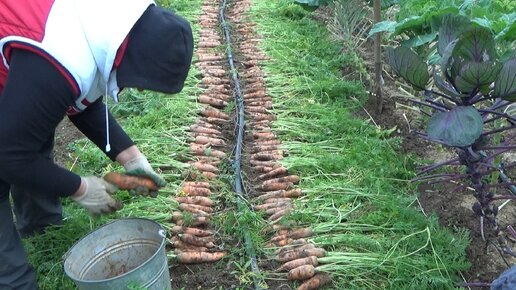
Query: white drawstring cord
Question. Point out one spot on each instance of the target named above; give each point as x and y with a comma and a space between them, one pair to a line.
108, 145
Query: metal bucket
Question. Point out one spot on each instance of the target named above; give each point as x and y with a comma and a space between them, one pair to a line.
124, 254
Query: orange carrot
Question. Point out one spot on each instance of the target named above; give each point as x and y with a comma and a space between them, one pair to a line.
214, 113
210, 57
277, 199
279, 237
278, 171
275, 186
209, 175
272, 205
205, 167
191, 231
301, 233
197, 241
194, 191
197, 209
214, 72
214, 81
198, 200
257, 109
267, 142
197, 184
263, 103
301, 273
289, 256
262, 169
262, 163
185, 247
257, 94
208, 140
199, 257
258, 117
298, 246
212, 101
214, 120
200, 129
290, 178
189, 220
264, 156
279, 214
262, 148
264, 135
317, 281
128, 182
311, 260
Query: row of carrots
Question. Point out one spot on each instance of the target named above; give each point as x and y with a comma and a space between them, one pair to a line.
192, 239
275, 189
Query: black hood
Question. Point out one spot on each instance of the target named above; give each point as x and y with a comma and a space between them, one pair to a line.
158, 54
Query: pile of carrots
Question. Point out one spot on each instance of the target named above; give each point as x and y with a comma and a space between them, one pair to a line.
275, 189
193, 241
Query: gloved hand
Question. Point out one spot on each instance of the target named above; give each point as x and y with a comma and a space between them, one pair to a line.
96, 197
140, 166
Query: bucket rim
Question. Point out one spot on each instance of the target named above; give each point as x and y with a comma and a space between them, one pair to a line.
161, 232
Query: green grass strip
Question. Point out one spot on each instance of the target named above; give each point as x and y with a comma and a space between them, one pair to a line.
359, 200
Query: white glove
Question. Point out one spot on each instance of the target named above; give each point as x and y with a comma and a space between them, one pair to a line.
96, 197
140, 166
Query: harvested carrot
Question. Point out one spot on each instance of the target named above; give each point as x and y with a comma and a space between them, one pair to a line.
210, 57
185, 247
199, 257
213, 120
317, 281
266, 156
127, 182
268, 142
211, 141
206, 130
197, 184
269, 206
279, 199
278, 214
301, 233
273, 173
211, 160
202, 123
283, 242
262, 169
312, 260
279, 237
214, 81
264, 135
205, 150
214, 113
296, 254
264, 103
209, 175
294, 247
256, 109
195, 191
199, 200
262, 163
212, 101
301, 273
189, 220
191, 231
205, 167
264, 148
290, 178
214, 72
197, 209
197, 241
275, 186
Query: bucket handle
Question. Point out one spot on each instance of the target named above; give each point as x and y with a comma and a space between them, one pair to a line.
161, 232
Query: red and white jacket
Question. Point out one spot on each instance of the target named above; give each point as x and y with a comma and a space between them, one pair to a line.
80, 37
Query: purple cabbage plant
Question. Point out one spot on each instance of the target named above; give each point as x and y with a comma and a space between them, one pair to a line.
466, 94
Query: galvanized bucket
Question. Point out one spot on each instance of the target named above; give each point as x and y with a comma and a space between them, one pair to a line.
124, 254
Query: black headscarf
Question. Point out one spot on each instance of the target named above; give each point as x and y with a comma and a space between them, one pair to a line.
158, 54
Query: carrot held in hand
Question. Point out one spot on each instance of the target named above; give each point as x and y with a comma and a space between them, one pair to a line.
129, 182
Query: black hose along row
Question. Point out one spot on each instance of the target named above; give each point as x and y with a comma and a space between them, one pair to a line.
275, 190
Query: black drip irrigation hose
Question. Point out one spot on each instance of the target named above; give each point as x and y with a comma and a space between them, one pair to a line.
239, 189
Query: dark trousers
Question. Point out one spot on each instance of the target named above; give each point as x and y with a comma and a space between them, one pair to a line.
33, 213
